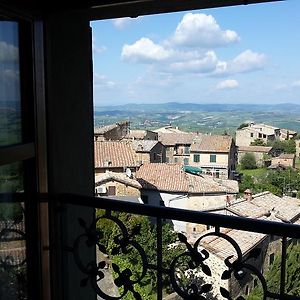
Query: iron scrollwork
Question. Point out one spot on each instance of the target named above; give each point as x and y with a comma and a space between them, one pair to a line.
194, 257
124, 244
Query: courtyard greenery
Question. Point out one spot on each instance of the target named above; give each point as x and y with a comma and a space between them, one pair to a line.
122, 258
292, 282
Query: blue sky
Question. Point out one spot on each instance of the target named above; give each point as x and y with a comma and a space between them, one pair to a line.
242, 54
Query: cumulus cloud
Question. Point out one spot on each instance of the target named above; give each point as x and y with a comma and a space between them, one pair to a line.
8, 53
144, 51
122, 23
101, 81
201, 30
193, 30
202, 63
246, 61
227, 84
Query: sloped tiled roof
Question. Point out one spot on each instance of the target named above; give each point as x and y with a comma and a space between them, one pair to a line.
220, 247
268, 205
262, 149
263, 206
172, 139
172, 178
143, 145
114, 154
212, 143
119, 177
138, 134
104, 129
286, 156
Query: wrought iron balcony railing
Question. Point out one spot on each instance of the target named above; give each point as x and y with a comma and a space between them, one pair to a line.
211, 265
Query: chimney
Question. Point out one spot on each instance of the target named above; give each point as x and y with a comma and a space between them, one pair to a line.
248, 194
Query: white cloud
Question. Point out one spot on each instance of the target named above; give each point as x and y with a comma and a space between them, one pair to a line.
144, 51
227, 84
247, 61
296, 83
8, 53
101, 81
122, 23
203, 63
201, 30
97, 49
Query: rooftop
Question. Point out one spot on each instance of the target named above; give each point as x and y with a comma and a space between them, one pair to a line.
114, 154
144, 145
264, 206
262, 149
176, 138
212, 143
172, 178
119, 177
138, 134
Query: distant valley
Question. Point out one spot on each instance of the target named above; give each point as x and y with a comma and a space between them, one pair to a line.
206, 118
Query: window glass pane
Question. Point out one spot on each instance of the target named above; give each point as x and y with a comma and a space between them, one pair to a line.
10, 104
12, 235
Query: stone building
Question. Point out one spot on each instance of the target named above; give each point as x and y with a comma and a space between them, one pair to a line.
114, 156
263, 206
261, 153
142, 135
149, 151
297, 147
168, 185
113, 132
246, 135
117, 184
177, 146
284, 160
215, 155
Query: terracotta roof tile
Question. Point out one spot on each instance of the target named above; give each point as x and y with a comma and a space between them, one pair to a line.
172, 139
114, 154
172, 178
212, 143
143, 145
120, 177
254, 149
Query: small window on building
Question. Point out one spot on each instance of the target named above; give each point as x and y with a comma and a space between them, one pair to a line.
185, 161
264, 136
194, 229
271, 258
167, 159
186, 150
175, 160
251, 134
217, 174
259, 135
111, 191
196, 157
213, 158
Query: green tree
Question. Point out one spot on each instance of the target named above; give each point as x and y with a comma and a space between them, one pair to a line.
243, 125
145, 235
278, 146
248, 161
258, 142
292, 283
